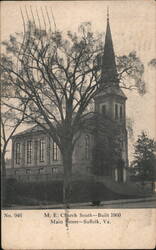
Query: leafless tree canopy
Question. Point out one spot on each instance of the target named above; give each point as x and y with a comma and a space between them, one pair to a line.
58, 75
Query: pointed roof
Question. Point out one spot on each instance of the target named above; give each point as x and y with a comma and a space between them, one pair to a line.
31, 130
109, 71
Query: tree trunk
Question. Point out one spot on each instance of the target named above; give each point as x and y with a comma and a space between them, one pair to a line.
3, 178
67, 164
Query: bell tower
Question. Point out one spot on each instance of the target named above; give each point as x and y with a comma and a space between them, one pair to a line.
110, 100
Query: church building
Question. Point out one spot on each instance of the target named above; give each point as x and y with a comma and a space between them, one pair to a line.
36, 157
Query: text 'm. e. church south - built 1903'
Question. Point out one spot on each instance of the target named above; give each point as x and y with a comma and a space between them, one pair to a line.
36, 157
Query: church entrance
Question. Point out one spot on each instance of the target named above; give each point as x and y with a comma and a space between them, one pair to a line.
120, 171
120, 175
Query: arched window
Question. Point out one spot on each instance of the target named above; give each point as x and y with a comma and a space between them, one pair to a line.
55, 152
42, 150
118, 111
121, 112
87, 147
18, 153
29, 152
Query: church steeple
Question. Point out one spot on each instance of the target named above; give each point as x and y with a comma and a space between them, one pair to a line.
110, 102
109, 71
110, 98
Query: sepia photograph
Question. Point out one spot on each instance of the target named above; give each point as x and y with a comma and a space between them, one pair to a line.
78, 105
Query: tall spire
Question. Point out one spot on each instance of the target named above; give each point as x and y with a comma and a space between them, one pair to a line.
109, 71
107, 14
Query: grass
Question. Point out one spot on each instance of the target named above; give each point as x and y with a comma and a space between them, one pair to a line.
40, 193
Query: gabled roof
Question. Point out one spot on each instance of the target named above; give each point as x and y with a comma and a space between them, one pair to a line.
36, 128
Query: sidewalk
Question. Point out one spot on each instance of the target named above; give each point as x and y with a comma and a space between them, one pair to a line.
152, 198
76, 205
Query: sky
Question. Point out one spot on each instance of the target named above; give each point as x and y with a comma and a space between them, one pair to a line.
133, 27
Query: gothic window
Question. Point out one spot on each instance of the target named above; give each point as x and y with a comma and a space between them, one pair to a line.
116, 111
29, 152
87, 147
55, 152
18, 153
42, 150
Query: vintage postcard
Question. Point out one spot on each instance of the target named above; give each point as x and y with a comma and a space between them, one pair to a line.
78, 125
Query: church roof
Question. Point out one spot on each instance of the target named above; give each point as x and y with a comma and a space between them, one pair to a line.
109, 70
33, 129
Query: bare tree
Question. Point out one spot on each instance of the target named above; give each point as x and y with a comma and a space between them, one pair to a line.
10, 121
11, 118
58, 76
